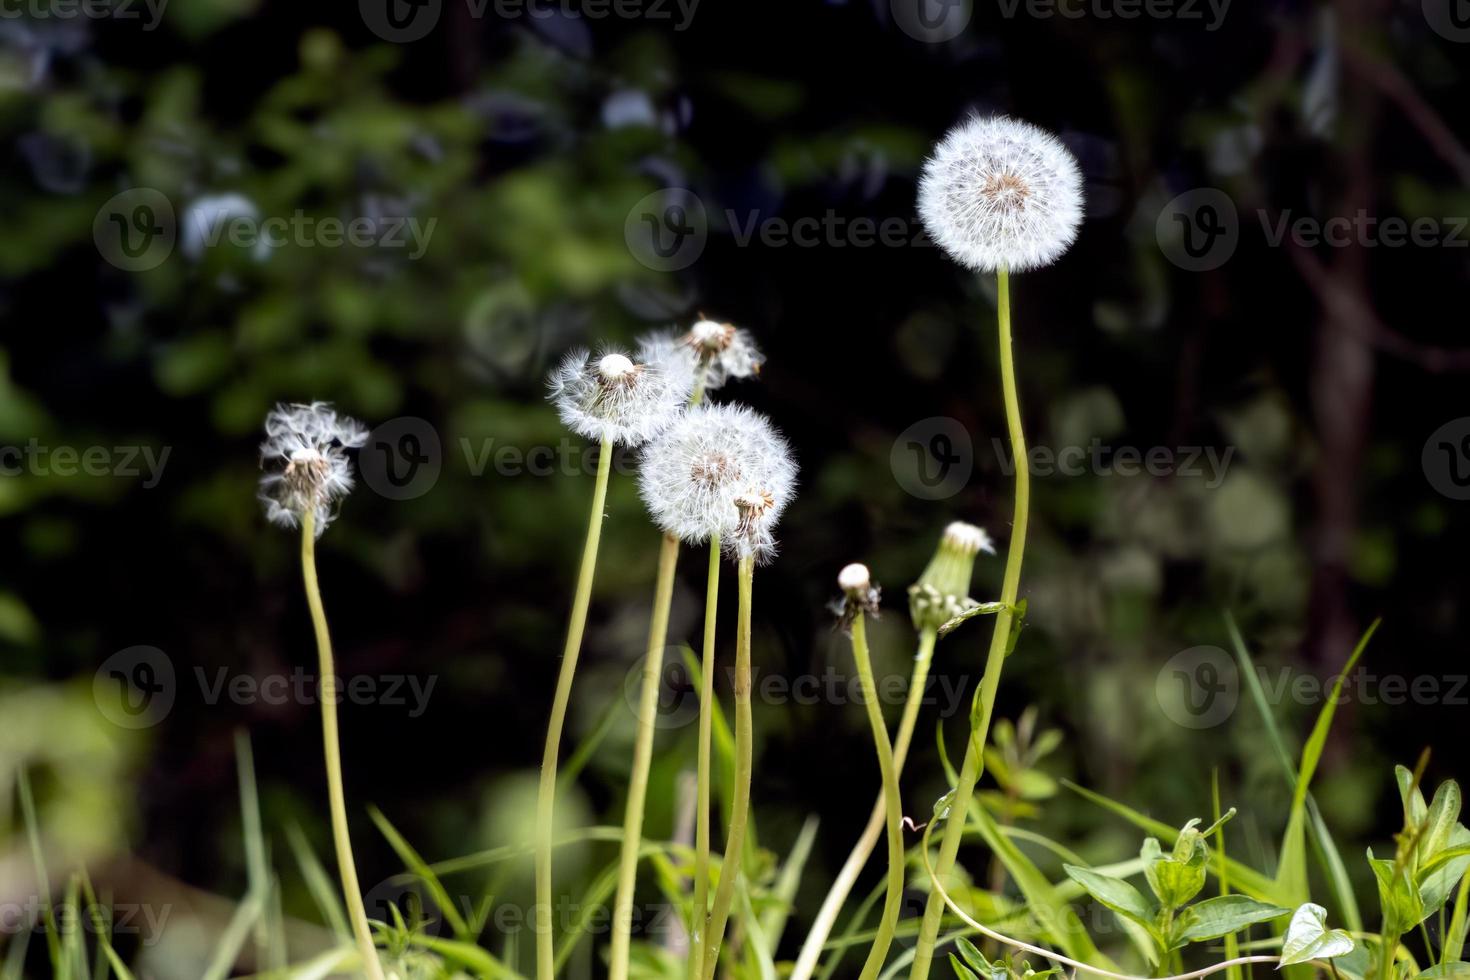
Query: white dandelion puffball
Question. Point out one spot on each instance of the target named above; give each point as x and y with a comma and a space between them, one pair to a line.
305, 457
610, 398
727, 351
1001, 193
719, 470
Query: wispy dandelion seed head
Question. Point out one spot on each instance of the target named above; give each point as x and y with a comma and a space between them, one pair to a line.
610, 396
1000, 192
304, 456
720, 470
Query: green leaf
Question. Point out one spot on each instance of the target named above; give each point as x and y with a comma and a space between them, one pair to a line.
1017, 624
976, 964
1220, 916
1435, 886
1439, 822
1402, 907
1115, 893
1413, 799
1308, 938
960, 970
1453, 970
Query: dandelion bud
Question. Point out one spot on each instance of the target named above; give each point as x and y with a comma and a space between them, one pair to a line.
1001, 193
943, 590
612, 398
305, 458
719, 470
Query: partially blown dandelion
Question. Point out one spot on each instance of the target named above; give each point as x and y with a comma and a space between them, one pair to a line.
727, 351
720, 472
305, 446
999, 193
610, 398
305, 458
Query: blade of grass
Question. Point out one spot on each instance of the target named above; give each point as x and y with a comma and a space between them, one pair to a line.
1454, 937
43, 880
1325, 848
1232, 946
318, 882
467, 955
421, 869
773, 920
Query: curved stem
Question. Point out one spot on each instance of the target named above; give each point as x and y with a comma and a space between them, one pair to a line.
893, 902
974, 763
700, 911
336, 796
811, 947
546, 791
744, 763
653, 662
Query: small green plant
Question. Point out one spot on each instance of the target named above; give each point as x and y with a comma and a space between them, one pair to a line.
1169, 920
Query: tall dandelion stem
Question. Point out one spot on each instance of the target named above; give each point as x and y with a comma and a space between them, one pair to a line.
740, 793
546, 792
893, 807
700, 909
663, 597
337, 797
811, 949
974, 764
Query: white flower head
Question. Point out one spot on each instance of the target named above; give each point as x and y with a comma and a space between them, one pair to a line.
727, 351
720, 470
609, 396
305, 457
1001, 193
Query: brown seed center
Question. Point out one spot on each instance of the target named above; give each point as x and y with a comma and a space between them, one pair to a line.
1006, 191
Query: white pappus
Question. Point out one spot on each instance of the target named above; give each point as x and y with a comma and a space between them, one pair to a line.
609, 397
305, 458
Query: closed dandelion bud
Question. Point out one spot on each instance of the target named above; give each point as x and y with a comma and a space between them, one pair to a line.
305, 458
999, 193
611, 398
942, 593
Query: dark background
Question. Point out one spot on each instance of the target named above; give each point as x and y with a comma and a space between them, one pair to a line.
1324, 369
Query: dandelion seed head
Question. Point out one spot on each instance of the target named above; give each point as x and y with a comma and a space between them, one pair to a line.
719, 470
1000, 192
305, 458
609, 396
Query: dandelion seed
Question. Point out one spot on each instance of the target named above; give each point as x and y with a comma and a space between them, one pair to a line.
720, 470
305, 454
610, 398
999, 193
